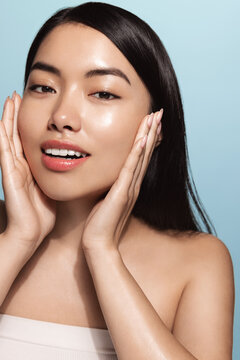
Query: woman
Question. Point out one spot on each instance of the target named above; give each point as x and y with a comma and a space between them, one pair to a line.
98, 234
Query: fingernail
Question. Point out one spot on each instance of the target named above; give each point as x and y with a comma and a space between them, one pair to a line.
13, 95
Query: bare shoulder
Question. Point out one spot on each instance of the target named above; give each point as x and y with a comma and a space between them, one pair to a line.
188, 278
204, 318
205, 251
189, 252
199, 257
3, 216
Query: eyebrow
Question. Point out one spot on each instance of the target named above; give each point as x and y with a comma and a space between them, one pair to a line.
45, 67
94, 72
107, 71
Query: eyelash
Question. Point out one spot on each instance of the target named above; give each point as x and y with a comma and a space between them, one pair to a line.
34, 87
49, 89
108, 94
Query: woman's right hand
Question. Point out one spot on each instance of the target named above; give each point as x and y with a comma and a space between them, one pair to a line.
30, 213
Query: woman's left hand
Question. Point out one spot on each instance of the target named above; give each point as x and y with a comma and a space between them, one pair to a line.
106, 221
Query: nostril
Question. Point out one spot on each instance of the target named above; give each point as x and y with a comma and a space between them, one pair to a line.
67, 127
52, 126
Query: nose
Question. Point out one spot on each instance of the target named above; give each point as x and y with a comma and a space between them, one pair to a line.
65, 115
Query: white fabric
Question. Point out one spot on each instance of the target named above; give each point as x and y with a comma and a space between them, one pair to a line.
27, 339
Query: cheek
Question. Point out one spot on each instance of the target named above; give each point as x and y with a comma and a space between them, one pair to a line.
29, 131
28, 124
117, 127
114, 137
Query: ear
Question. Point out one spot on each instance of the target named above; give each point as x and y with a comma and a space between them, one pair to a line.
159, 139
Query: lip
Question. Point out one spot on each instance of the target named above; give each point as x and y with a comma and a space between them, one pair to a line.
57, 144
58, 164
61, 164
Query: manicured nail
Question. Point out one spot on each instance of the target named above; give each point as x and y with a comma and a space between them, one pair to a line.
13, 95
143, 142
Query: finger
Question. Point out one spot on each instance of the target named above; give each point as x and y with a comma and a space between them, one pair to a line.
130, 178
133, 192
16, 137
145, 130
144, 127
122, 188
152, 137
126, 175
6, 156
150, 145
132, 167
132, 162
154, 124
159, 135
119, 192
7, 120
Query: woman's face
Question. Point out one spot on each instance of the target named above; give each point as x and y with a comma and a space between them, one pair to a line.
71, 104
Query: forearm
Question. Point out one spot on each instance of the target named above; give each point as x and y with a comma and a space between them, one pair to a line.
135, 327
12, 260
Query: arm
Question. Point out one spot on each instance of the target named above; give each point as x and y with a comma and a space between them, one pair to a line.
12, 260
27, 215
203, 323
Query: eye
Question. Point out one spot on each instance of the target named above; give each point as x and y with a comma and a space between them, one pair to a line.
42, 89
105, 95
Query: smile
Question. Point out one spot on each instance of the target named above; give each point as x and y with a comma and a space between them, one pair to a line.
64, 153
62, 159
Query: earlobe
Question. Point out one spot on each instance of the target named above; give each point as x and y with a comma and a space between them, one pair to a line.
159, 140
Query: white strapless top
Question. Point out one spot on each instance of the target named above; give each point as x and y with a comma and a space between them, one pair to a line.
27, 339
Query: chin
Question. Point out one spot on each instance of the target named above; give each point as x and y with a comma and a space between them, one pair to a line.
58, 193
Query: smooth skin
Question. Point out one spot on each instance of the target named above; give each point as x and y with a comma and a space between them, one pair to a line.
74, 258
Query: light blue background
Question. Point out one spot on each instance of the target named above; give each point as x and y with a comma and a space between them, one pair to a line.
202, 39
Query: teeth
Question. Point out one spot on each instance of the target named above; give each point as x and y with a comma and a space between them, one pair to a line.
55, 151
71, 152
64, 152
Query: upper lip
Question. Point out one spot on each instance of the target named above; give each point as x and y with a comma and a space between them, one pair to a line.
57, 144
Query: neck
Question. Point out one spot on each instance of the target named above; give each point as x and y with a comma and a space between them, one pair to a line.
70, 219
66, 236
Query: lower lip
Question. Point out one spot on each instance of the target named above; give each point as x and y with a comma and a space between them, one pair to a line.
58, 164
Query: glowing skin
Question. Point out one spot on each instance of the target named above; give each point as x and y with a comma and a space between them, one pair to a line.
74, 112
156, 285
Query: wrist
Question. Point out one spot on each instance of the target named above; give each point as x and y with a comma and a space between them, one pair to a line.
16, 255
106, 255
20, 247
98, 245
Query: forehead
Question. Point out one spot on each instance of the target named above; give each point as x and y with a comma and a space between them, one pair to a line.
73, 47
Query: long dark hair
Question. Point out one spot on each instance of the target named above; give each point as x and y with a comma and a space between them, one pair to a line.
168, 198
